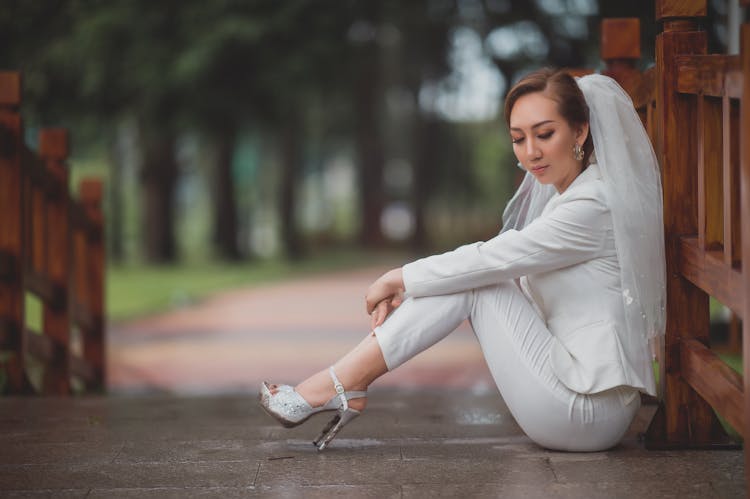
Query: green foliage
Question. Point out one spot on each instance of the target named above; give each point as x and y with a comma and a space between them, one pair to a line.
134, 291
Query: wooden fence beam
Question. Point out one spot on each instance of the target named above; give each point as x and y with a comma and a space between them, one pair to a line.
91, 259
745, 206
11, 235
684, 418
714, 380
54, 149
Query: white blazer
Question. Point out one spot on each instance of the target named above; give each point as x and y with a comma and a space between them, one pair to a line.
567, 267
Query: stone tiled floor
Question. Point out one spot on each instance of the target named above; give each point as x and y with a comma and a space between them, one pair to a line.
420, 443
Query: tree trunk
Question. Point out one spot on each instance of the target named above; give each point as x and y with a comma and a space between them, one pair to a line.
115, 219
290, 167
225, 205
369, 145
424, 160
158, 178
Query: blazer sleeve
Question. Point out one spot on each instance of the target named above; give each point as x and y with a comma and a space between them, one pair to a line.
572, 232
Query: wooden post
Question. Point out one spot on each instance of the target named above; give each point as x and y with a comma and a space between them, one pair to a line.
683, 419
710, 172
731, 179
53, 148
621, 49
90, 194
745, 200
11, 232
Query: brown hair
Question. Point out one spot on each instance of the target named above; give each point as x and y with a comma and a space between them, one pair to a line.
559, 86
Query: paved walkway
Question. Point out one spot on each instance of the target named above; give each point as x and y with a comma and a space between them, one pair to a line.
283, 331
434, 428
408, 444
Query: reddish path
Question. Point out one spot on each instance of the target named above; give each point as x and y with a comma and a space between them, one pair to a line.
282, 331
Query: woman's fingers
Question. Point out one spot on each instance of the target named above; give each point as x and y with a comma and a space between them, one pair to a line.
386, 286
397, 299
379, 314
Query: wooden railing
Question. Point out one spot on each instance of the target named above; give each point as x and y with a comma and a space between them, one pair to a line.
51, 246
696, 108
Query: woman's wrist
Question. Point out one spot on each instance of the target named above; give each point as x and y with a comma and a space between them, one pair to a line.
397, 279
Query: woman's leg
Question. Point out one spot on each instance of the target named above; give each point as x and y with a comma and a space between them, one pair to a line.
414, 327
356, 370
516, 343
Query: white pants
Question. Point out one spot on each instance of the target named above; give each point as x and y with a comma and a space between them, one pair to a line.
516, 343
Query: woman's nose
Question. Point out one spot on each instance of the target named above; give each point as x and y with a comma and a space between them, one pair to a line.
532, 151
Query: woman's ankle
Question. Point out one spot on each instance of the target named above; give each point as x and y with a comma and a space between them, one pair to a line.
318, 389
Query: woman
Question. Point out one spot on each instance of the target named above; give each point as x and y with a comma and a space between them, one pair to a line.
563, 301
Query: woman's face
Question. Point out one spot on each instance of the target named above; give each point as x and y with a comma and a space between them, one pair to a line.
543, 140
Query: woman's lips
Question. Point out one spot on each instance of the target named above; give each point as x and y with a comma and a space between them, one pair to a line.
538, 169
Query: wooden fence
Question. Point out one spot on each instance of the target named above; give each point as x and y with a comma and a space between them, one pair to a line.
696, 108
52, 247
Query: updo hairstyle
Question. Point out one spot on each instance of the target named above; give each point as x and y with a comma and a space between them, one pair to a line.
562, 88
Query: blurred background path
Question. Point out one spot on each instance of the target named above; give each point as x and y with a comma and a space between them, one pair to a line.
281, 331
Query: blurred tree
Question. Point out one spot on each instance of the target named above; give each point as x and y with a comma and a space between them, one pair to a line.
367, 96
424, 45
117, 60
223, 66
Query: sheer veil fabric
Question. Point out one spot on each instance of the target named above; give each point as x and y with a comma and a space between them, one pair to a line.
630, 172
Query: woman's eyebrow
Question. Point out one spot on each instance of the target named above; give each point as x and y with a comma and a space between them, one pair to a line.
516, 129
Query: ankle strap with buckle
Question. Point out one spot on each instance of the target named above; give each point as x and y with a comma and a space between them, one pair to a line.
339, 388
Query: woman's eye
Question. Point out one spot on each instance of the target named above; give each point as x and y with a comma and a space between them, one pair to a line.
516, 140
545, 135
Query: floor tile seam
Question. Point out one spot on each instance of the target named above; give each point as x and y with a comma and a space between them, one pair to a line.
257, 473
551, 467
119, 452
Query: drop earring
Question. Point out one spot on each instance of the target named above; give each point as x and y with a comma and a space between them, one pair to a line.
578, 152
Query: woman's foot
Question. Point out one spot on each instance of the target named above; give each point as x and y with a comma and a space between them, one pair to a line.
318, 389
356, 370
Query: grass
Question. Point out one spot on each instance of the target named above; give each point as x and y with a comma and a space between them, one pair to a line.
134, 291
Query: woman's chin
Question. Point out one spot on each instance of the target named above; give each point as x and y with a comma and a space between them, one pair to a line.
542, 178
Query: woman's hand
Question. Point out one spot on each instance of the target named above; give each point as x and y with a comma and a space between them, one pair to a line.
384, 295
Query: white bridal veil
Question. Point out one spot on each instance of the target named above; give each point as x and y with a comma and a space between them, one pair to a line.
630, 172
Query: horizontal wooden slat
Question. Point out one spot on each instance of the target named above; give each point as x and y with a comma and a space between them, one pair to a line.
714, 380
42, 286
83, 318
82, 369
39, 346
714, 75
708, 271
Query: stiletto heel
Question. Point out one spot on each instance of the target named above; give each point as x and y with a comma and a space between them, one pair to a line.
290, 409
326, 429
342, 421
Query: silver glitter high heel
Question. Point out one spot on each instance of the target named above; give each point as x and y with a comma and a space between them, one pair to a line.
289, 408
